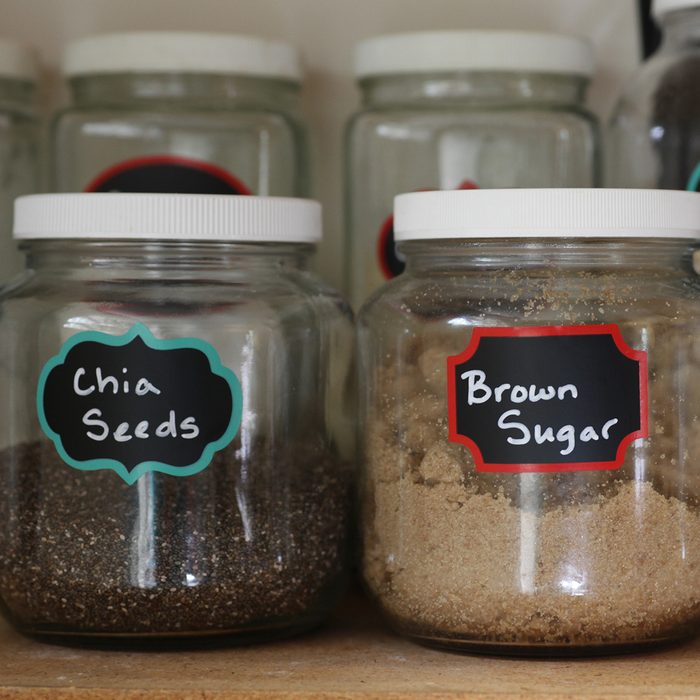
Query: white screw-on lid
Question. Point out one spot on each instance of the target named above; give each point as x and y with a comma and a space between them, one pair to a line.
473, 50
194, 217
182, 52
661, 8
547, 213
17, 61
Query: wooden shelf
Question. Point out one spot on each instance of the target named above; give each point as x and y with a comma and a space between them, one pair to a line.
354, 656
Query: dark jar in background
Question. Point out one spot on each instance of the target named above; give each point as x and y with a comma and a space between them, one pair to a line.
530, 421
654, 134
176, 426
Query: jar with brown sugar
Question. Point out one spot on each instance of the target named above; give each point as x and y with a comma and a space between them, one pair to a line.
530, 421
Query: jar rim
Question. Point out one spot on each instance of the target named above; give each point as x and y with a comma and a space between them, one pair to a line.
178, 217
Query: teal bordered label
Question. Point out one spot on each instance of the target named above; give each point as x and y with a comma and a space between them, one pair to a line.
135, 404
694, 180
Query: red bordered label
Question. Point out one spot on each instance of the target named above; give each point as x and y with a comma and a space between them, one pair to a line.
548, 398
167, 173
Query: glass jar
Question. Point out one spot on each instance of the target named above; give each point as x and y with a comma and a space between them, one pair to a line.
529, 421
18, 144
181, 112
460, 110
654, 134
176, 425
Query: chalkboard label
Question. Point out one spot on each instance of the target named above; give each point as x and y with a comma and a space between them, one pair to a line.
547, 398
165, 173
134, 404
391, 262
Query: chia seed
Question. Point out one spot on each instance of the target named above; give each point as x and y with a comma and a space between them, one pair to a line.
239, 547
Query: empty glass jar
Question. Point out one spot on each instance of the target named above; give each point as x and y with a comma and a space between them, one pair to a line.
529, 421
459, 110
175, 421
654, 137
18, 144
181, 112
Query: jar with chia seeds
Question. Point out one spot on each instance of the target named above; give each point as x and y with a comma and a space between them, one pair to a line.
460, 110
19, 136
654, 134
530, 421
175, 426
181, 112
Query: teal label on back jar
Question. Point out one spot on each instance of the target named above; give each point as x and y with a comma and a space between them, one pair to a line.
135, 404
694, 180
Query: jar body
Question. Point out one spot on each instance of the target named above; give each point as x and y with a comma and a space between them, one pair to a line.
454, 132
19, 164
468, 551
653, 138
251, 544
180, 133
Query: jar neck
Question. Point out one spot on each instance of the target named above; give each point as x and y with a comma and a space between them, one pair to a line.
681, 29
128, 259
473, 87
121, 90
575, 254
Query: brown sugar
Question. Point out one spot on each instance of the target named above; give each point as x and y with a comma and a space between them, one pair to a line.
475, 565
588, 558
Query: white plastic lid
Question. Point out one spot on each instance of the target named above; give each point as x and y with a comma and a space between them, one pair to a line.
17, 61
195, 217
547, 213
182, 52
661, 8
473, 50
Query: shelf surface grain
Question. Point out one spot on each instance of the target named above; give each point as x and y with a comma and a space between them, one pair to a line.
354, 656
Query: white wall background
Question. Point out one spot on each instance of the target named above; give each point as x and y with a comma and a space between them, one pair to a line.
326, 31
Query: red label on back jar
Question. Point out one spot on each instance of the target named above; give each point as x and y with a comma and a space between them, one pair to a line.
547, 398
391, 262
167, 173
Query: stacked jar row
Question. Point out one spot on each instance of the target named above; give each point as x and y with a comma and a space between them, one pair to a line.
177, 420
180, 112
183, 112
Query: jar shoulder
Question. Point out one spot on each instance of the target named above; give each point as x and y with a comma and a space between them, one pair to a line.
392, 126
97, 121
509, 297
288, 296
464, 113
